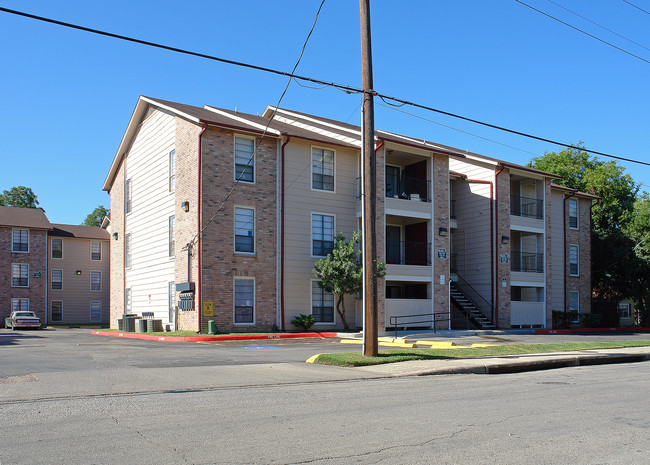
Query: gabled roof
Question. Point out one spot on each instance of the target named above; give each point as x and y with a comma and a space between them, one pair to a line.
33, 218
574, 191
79, 232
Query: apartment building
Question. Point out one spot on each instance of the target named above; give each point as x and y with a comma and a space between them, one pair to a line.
60, 272
458, 250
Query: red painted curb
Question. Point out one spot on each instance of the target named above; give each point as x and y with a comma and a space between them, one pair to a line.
587, 330
242, 337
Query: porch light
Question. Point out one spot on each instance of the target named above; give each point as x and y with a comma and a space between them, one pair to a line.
442, 231
185, 206
78, 272
505, 239
115, 235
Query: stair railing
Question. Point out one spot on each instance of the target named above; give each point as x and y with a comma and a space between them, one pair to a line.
471, 294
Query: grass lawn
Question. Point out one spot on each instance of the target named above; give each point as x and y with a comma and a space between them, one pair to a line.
355, 359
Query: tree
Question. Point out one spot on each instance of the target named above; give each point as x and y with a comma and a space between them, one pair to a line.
19, 196
638, 230
341, 272
96, 217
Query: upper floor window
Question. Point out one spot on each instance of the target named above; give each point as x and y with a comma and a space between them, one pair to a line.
171, 237
244, 230
57, 279
20, 242
244, 301
322, 169
172, 170
322, 234
95, 280
19, 305
19, 275
57, 247
95, 250
574, 269
573, 213
244, 159
127, 250
128, 195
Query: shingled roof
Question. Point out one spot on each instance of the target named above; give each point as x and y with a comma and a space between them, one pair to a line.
33, 218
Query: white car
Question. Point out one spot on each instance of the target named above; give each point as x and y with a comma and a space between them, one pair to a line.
22, 319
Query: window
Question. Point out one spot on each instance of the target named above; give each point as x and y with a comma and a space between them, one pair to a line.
95, 250
322, 234
19, 305
95, 311
244, 301
172, 170
127, 250
95, 280
322, 169
20, 240
573, 213
19, 275
244, 230
56, 310
171, 236
573, 260
171, 297
128, 196
322, 304
57, 279
127, 300
57, 248
574, 305
624, 311
244, 159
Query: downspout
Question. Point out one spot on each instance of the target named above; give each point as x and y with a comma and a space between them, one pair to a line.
381, 143
198, 239
564, 219
282, 253
494, 258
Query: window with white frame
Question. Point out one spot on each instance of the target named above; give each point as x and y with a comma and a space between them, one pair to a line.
19, 305
171, 237
95, 311
574, 269
127, 300
95, 280
20, 241
172, 171
95, 250
574, 305
19, 275
56, 310
322, 234
244, 159
322, 169
244, 230
244, 301
322, 304
128, 195
127, 250
57, 279
624, 311
57, 247
171, 297
573, 213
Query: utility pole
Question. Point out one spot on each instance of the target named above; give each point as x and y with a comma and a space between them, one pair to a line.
370, 342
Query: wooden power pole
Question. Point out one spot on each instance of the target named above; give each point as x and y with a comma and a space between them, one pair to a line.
370, 342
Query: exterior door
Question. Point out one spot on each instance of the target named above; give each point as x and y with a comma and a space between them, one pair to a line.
393, 244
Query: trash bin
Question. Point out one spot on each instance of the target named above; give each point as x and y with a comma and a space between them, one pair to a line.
141, 326
212, 329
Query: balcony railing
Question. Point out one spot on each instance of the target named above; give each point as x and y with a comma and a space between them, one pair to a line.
525, 206
527, 262
408, 253
406, 187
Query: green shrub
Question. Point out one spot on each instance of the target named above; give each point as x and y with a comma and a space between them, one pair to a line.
591, 320
303, 321
563, 320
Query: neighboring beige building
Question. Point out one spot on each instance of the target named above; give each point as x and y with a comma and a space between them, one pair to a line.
462, 235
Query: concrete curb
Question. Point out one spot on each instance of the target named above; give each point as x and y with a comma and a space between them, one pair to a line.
588, 330
230, 337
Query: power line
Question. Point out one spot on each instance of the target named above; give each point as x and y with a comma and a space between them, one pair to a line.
583, 32
345, 88
637, 7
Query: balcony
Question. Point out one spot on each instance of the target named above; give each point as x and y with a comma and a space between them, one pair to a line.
405, 307
407, 188
408, 253
527, 262
526, 207
531, 314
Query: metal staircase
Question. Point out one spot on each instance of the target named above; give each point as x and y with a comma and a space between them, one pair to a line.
471, 304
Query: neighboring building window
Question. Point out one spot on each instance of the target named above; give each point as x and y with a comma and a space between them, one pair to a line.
128, 195
322, 304
172, 242
574, 305
573, 213
322, 169
172, 170
574, 269
57, 279
20, 240
127, 300
95, 280
95, 250
244, 230
56, 310
322, 234
95, 311
171, 297
244, 159
624, 311
244, 301
19, 275
57, 248
127, 250
19, 305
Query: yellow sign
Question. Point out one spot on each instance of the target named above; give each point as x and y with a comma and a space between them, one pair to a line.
208, 309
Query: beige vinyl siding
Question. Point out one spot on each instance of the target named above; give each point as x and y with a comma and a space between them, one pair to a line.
557, 251
301, 201
147, 165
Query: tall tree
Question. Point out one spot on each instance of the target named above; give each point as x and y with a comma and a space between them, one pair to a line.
96, 217
19, 196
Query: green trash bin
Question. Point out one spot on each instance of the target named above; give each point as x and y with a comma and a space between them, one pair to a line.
212, 329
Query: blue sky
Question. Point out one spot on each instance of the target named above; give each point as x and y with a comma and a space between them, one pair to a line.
67, 96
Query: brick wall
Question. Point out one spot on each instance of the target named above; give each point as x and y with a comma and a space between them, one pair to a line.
550, 236
502, 213
582, 238
117, 247
441, 266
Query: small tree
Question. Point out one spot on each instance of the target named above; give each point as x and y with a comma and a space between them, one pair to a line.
341, 272
96, 217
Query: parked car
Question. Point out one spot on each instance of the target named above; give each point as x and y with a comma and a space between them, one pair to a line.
23, 319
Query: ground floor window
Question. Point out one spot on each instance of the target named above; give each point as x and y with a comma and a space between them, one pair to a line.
95, 311
574, 305
322, 304
624, 310
19, 305
244, 301
56, 310
171, 294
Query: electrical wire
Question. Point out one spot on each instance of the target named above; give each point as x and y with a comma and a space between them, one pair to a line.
637, 7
